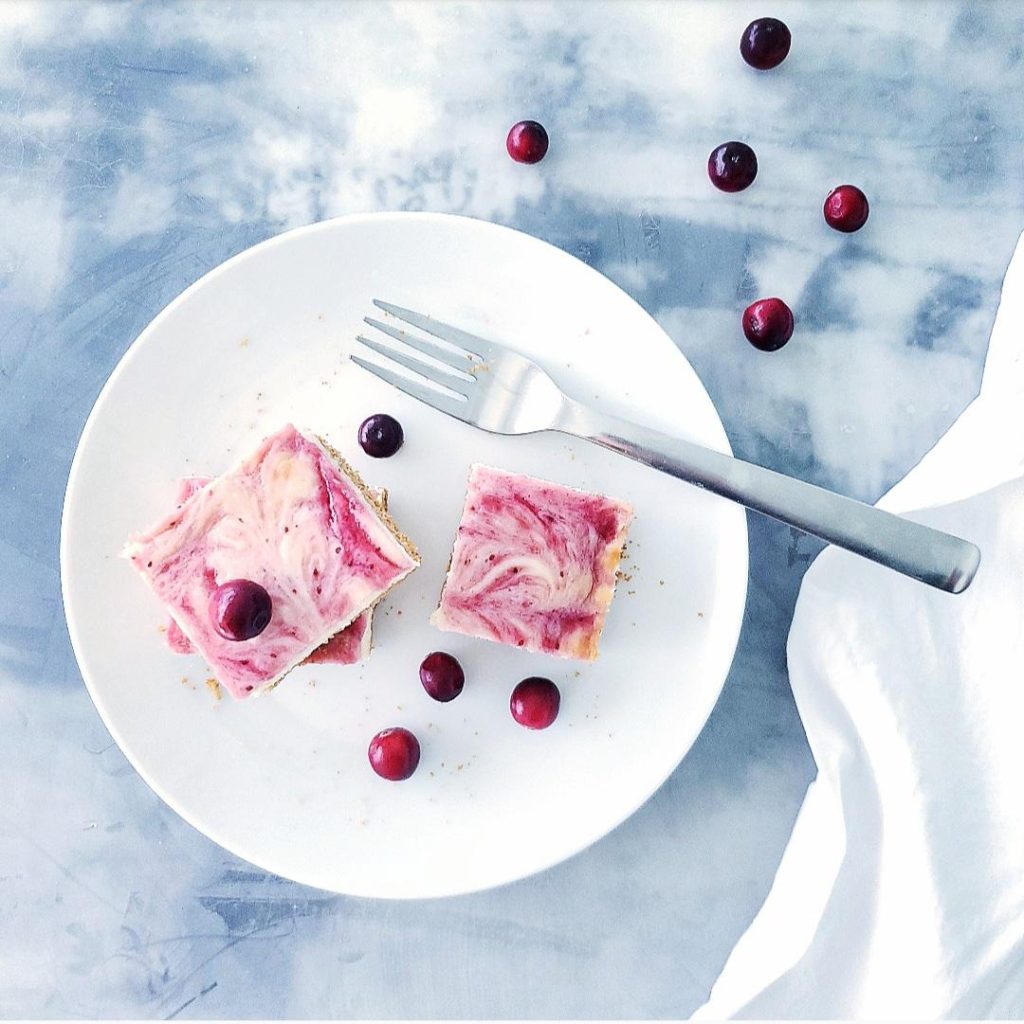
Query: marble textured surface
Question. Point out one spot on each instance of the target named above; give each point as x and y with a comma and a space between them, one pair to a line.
140, 145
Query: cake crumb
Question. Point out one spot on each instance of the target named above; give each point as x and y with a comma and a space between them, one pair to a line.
244, 343
214, 687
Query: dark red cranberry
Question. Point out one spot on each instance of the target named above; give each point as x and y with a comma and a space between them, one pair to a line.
846, 208
240, 609
765, 43
442, 676
527, 142
535, 702
380, 435
394, 754
732, 166
768, 324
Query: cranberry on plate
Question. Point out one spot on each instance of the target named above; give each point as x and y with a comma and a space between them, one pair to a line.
442, 676
535, 702
768, 324
394, 754
846, 208
240, 609
527, 142
380, 435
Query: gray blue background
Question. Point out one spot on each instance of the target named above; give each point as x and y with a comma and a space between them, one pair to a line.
142, 144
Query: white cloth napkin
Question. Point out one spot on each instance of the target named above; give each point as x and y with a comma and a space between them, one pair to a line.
901, 892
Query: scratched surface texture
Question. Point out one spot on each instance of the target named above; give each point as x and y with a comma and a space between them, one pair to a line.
142, 144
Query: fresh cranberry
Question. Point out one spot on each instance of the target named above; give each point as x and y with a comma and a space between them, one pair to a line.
535, 702
240, 609
846, 208
732, 166
380, 435
768, 324
527, 142
394, 754
442, 676
765, 43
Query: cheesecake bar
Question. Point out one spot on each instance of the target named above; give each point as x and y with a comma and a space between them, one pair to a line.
292, 518
533, 564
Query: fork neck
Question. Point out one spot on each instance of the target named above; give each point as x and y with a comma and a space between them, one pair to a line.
581, 421
641, 443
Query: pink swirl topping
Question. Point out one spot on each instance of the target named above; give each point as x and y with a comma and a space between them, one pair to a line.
289, 518
533, 564
347, 647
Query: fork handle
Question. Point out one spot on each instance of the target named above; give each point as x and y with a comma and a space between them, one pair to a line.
938, 559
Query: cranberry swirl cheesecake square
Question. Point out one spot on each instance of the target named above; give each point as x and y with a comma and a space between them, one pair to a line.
294, 518
533, 564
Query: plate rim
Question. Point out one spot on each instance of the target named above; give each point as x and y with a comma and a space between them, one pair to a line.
212, 832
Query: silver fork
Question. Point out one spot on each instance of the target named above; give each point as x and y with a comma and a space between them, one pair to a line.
492, 387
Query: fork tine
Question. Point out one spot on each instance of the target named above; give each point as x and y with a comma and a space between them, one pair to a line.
437, 399
471, 344
419, 366
455, 359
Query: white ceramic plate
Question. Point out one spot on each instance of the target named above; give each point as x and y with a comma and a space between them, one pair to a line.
283, 780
